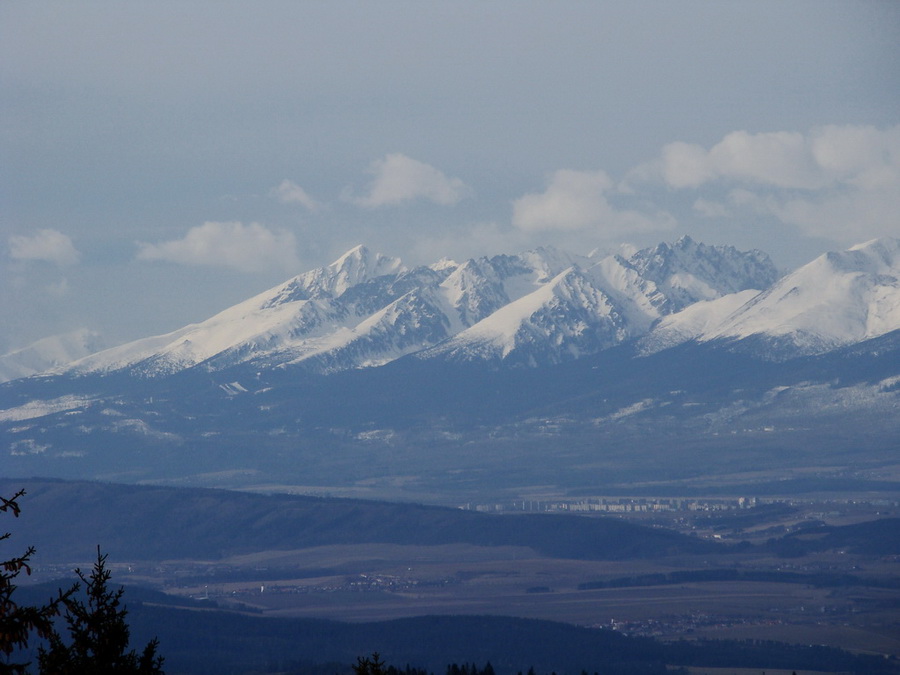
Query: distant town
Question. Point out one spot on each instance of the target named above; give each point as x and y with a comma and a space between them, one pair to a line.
667, 504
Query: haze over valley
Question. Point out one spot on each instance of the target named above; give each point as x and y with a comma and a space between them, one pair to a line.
470, 338
513, 377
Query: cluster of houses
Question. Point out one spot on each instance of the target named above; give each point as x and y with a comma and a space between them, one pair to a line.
620, 505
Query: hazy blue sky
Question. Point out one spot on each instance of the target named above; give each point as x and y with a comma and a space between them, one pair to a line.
160, 161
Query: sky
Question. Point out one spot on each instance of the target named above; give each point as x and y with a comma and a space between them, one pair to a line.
160, 162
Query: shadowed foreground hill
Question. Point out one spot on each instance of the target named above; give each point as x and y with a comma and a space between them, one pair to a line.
510, 644
877, 537
66, 520
210, 642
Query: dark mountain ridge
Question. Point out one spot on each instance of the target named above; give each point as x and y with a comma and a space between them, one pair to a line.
66, 520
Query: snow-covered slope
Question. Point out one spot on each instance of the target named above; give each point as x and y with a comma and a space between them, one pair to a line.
301, 316
839, 299
366, 309
50, 352
694, 322
560, 320
592, 306
639, 301
687, 271
716, 380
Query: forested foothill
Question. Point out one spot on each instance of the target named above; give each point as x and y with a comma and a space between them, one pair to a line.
207, 643
159, 523
79, 630
179, 551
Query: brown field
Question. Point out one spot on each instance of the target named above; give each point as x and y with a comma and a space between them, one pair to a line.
756, 671
380, 582
374, 582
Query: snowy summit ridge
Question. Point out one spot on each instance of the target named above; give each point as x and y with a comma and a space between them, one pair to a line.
538, 307
838, 299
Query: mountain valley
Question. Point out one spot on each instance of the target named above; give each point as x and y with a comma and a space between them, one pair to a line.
500, 378
316, 580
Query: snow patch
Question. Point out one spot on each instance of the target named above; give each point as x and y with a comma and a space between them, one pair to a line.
36, 409
233, 388
27, 447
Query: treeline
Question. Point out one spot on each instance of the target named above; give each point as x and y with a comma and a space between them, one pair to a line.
224, 643
817, 579
874, 537
761, 654
303, 668
768, 654
373, 665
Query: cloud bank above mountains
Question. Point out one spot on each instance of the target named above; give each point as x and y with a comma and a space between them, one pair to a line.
577, 200
246, 248
288, 192
198, 152
837, 182
398, 179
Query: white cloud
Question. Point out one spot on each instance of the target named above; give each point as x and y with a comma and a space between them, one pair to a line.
398, 179
573, 200
711, 209
684, 165
841, 182
825, 157
858, 155
288, 192
847, 216
468, 240
248, 248
49, 245
779, 159
576, 200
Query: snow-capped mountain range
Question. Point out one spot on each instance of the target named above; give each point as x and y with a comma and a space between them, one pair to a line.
457, 369
366, 309
539, 307
838, 299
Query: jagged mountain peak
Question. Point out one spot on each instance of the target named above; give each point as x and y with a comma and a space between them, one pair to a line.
562, 319
838, 299
638, 299
444, 264
480, 286
549, 261
355, 266
877, 256
686, 251
883, 245
688, 271
278, 321
361, 260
